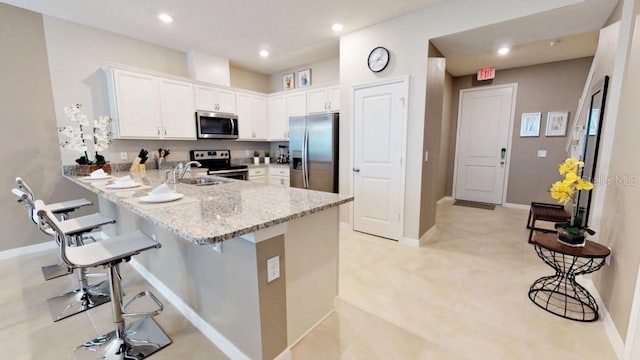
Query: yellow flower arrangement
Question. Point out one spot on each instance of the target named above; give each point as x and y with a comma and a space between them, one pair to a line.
567, 190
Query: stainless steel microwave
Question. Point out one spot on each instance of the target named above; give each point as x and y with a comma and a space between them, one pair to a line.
216, 125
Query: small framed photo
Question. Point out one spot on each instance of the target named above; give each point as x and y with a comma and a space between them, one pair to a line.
530, 124
288, 82
304, 78
557, 123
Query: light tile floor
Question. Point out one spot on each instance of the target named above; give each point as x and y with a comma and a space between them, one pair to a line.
461, 296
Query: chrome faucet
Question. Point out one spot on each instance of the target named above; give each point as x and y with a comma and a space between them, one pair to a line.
179, 171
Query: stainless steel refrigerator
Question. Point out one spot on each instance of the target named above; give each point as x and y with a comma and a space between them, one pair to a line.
313, 149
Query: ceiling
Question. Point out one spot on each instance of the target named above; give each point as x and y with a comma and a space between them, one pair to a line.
573, 30
295, 32
298, 32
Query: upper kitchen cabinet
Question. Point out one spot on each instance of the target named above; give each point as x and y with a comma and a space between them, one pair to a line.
277, 117
215, 99
323, 100
147, 106
252, 116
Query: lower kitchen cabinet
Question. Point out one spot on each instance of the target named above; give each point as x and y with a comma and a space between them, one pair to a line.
279, 175
259, 175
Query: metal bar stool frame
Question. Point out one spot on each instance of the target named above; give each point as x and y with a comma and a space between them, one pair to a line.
137, 340
85, 296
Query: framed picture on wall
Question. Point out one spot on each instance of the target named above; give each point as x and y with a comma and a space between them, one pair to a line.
288, 82
304, 78
557, 123
530, 124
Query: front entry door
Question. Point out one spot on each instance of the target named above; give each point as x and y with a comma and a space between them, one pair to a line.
379, 117
484, 120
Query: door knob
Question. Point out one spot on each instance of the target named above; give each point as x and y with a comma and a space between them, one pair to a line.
356, 170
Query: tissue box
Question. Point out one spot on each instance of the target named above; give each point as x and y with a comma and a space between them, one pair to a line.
86, 170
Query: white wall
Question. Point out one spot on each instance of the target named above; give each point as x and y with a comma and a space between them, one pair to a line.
407, 39
325, 72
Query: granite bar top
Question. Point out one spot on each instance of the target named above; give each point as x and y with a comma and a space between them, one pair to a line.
214, 213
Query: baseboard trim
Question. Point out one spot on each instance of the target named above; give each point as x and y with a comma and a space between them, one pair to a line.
516, 206
609, 326
444, 199
285, 355
226, 346
311, 328
27, 250
407, 241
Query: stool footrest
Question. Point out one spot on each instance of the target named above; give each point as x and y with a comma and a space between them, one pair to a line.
78, 300
137, 297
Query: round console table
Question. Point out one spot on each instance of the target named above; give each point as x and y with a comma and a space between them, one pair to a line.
560, 294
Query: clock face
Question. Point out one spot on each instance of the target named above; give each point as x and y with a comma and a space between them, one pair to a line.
378, 59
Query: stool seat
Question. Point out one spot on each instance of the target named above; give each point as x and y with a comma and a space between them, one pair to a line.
108, 250
68, 206
84, 224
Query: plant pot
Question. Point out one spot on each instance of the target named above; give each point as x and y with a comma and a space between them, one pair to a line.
572, 240
256, 160
267, 160
85, 170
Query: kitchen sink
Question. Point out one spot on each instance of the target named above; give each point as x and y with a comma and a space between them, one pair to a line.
203, 180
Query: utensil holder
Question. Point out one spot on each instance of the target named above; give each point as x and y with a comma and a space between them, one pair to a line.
159, 163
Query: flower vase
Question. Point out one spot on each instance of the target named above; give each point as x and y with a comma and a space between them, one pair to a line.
85, 170
256, 160
572, 240
267, 160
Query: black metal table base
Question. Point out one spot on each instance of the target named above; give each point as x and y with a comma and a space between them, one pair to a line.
560, 294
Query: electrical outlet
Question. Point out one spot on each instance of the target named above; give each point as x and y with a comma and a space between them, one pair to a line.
426, 156
542, 153
123, 155
273, 268
247, 153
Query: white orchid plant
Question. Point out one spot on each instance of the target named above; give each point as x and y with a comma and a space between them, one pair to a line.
77, 140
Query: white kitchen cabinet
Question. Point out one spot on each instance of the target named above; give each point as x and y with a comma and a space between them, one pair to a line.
145, 106
252, 116
323, 100
277, 117
215, 99
297, 104
259, 175
279, 175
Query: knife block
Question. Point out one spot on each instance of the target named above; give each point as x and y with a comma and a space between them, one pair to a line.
137, 167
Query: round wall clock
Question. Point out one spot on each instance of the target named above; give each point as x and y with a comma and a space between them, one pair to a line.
378, 59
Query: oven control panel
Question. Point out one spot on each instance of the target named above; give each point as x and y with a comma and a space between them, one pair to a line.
209, 155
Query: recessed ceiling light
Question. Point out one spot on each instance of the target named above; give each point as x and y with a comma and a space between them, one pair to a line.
264, 53
337, 27
504, 50
165, 18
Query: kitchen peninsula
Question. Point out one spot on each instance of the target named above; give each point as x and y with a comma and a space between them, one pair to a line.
213, 262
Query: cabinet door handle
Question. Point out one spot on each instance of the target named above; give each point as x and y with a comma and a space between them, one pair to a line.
356, 170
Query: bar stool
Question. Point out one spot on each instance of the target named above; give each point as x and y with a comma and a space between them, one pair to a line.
137, 340
86, 296
62, 209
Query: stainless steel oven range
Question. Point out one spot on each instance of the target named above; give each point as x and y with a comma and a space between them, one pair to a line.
219, 163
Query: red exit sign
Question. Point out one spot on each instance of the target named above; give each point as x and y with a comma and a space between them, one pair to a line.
487, 73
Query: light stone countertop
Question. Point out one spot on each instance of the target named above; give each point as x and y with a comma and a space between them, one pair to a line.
214, 213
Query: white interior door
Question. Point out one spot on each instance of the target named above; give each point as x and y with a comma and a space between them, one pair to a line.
484, 122
379, 117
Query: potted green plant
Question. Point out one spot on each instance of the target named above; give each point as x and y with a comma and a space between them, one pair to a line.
256, 157
267, 158
572, 232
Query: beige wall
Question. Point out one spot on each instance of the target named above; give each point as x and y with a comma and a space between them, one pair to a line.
29, 136
618, 227
432, 141
326, 72
407, 39
541, 88
250, 80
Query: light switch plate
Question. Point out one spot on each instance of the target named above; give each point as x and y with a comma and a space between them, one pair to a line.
542, 153
273, 268
426, 156
123, 155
